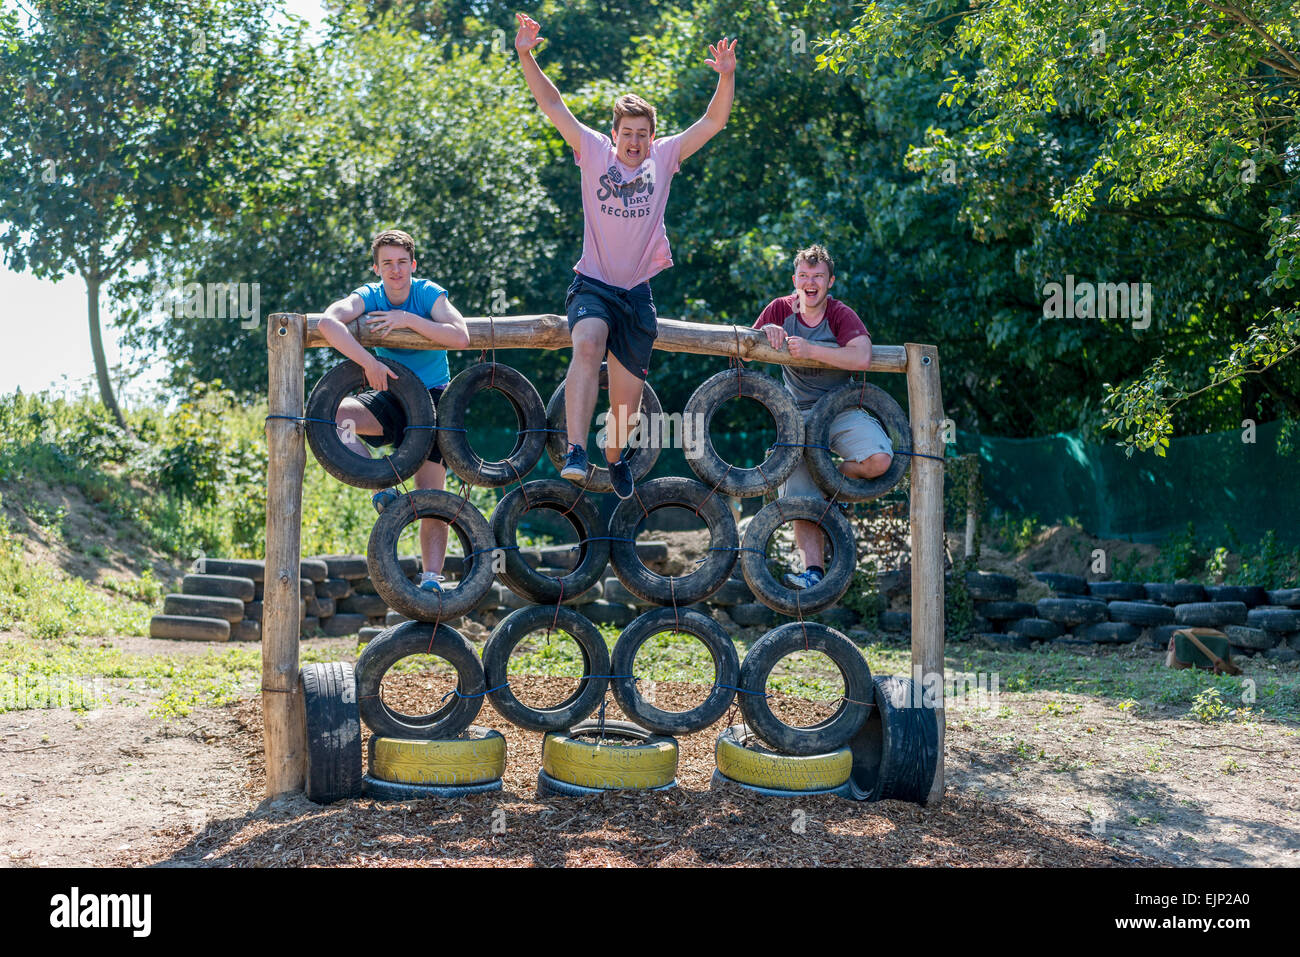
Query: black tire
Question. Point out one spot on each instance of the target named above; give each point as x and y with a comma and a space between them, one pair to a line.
1063, 584
684, 589
1116, 591
347, 567
826, 735
1109, 632
188, 628
1249, 595
339, 625
1004, 610
1251, 639
391, 582
726, 671
752, 614
581, 513
782, 459
419, 638
204, 606
313, 569
1140, 613
839, 572
345, 465
547, 786
453, 440
896, 621
1211, 614
1071, 611
896, 751
1181, 593
219, 586
246, 630
1289, 597
1274, 619
990, 586
640, 459
329, 694
821, 466
595, 667
254, 568
378, 790
1037, 629
335, 588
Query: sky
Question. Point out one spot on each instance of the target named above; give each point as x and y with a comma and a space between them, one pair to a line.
47, 331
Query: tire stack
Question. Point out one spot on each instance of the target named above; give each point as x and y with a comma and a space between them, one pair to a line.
567, 594
1255, 620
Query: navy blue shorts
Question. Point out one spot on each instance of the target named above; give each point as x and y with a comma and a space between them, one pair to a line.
388, 413
629, 314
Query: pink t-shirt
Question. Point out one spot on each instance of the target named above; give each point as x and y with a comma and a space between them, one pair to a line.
624, 242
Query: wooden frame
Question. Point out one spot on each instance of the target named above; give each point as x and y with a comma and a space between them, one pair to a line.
290, 334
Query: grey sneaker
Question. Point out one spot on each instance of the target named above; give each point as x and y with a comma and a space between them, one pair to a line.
620, 476
575, 466
803, 580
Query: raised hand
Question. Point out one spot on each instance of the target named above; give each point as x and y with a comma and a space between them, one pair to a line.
723, 57
527, 39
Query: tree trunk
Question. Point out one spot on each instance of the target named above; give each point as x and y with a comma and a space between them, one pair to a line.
97, 349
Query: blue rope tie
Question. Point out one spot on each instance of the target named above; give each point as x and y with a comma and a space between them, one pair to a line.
601, 538
435, 428
456, 692
551, 431
763, 694
742, 548
484, 551
796, 445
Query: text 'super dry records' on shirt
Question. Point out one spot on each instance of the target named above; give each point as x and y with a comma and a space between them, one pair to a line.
624, 242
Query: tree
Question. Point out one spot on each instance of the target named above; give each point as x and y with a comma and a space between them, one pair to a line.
1196, 106
126, 122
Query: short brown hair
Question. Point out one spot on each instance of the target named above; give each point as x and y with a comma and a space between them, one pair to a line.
629, 104
812, 256
392, 237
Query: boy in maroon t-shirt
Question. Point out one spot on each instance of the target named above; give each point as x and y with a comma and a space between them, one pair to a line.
813, 325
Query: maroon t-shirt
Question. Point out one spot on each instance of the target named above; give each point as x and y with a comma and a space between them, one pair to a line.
840, 325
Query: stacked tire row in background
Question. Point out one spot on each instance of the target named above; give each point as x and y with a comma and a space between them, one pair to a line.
222, 601
1082, 614
879, 742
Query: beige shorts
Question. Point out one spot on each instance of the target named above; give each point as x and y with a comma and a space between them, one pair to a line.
855, 436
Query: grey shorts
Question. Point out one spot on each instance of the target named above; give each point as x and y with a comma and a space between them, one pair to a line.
855, 436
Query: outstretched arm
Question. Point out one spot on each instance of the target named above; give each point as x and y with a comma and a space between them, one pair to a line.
715, 118
543, 90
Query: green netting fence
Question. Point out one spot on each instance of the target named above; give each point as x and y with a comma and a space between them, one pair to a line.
1215, 481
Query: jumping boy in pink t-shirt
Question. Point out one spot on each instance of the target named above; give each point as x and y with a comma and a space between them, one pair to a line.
625, 181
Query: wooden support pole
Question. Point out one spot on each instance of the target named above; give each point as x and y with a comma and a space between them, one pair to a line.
552, 332
284, 730
925, 406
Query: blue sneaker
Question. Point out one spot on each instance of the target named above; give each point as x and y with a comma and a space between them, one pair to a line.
383, 498
575, 466
620, 476
804, 579
430, 584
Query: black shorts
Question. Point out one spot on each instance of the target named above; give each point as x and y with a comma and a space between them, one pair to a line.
629, 314
388, 413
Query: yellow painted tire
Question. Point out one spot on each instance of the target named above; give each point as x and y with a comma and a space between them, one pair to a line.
630, 757
742, 758
477, 756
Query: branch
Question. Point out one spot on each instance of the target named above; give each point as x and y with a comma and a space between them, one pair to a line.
1242, 16
1218, 382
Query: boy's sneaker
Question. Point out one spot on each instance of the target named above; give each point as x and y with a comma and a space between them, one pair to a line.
383, 498
804, 579
575, 466
431, 584
620, 476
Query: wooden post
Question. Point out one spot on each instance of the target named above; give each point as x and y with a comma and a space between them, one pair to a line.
974, 494
925, 407
284, 733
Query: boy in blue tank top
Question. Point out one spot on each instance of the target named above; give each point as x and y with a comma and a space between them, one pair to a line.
398, 301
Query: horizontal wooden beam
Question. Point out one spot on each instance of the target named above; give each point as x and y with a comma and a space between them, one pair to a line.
552, 332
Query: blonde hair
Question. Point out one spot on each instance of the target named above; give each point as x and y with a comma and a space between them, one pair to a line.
812, 256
